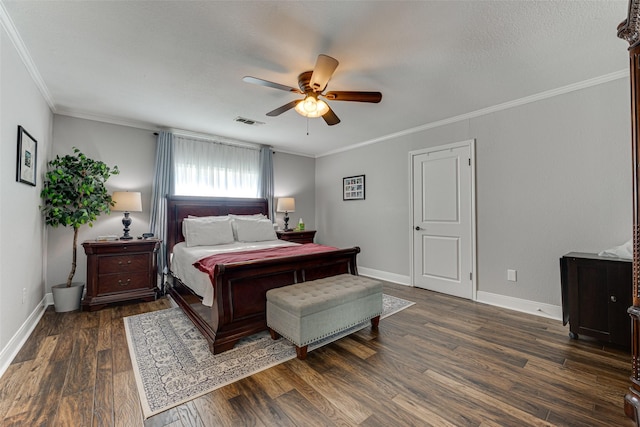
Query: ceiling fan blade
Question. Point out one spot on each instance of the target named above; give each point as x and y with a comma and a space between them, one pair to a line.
374, 97
261, 82
284, 108
322, 72
330, 117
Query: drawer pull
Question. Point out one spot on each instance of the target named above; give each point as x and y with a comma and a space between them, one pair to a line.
613, 298
121, 283
120, 262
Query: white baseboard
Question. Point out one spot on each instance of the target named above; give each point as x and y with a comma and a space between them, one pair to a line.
16, 342
525, 306
522, 305
383, 275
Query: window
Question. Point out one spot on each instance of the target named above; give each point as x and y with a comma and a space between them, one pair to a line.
213, 169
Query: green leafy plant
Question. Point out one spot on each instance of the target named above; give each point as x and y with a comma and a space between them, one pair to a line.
75, 194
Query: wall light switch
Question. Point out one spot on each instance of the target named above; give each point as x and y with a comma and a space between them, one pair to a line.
512, 275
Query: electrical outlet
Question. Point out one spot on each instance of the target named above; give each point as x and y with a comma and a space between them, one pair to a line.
24, 295
512, 275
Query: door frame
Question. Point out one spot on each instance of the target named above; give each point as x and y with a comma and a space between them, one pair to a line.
471, 143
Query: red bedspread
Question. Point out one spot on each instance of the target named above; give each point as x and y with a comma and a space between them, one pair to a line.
209, 263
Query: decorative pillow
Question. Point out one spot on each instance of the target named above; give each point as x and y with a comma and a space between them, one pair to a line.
252, 230
198, 232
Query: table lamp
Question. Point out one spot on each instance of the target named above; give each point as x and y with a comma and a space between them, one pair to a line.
286, 205
127, 201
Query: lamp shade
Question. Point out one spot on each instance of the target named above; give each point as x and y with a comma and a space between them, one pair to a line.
286, 204
127, 201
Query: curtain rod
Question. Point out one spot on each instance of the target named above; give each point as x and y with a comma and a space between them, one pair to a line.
215, 139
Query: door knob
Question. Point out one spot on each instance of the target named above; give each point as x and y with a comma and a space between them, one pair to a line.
418, 228
613, 298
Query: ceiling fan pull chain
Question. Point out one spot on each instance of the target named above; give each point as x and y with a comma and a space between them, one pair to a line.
307, 126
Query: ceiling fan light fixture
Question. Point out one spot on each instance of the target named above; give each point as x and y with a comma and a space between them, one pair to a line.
312, 107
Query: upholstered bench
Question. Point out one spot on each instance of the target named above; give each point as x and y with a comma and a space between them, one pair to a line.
307, 312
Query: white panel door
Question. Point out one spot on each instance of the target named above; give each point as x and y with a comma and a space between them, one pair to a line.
442, 220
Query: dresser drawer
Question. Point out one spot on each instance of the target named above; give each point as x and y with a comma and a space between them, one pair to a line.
123, 263
111, 283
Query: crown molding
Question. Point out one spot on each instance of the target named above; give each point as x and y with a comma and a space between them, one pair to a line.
25, 56
498, 107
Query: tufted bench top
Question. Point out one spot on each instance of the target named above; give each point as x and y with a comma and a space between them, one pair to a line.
303, 299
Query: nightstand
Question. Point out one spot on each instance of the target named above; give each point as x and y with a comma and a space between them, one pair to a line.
305, 236
120, 270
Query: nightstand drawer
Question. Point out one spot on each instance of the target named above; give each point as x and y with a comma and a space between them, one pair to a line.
305, 236
111, 283
123, 263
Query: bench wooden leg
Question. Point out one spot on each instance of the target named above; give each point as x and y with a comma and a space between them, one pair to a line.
274, 334
301, 352
375, 322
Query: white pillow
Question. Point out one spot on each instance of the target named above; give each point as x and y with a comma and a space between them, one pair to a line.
252, 217
205, 219
210, 218
207, 233
252, 230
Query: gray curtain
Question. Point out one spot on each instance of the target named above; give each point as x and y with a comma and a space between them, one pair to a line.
265, 184
162, 187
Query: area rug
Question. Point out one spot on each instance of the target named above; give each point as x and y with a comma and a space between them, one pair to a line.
173, 365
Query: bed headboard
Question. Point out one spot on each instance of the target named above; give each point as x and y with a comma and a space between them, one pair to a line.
180, 207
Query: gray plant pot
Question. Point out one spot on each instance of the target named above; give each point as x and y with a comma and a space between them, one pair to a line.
67, 298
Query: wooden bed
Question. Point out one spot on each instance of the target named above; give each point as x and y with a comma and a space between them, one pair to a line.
239, 306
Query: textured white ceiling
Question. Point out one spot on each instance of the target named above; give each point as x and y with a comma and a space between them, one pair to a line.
179, 64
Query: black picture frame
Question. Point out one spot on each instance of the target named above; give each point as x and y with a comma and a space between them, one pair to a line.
353, 187
27, 161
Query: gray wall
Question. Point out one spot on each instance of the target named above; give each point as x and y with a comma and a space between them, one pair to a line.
552, 176
294, 176
22, 230
133, 151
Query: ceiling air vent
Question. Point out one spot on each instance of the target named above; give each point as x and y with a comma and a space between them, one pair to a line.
249, 122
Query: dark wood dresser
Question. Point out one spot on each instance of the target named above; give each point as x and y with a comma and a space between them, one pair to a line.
629, 30
120, 270
596, 293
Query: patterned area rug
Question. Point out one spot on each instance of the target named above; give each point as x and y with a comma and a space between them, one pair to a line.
172, 362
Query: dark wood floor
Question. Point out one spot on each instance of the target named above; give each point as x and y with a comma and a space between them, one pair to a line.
443, 362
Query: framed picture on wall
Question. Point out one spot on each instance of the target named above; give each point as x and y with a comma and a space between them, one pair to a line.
353, 188
27, 157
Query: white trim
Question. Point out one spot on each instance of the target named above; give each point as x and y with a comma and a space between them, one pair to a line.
525, 306
25, 56
215, 138
16, 342
103, 118
499, 107
471, 143
48, 298
383, 275
294, 153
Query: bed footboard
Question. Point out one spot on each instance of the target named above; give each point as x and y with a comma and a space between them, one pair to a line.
239, 307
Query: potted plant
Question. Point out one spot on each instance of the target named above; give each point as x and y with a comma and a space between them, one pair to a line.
74, 194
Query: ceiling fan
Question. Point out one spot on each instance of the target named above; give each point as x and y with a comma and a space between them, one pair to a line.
312, 85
